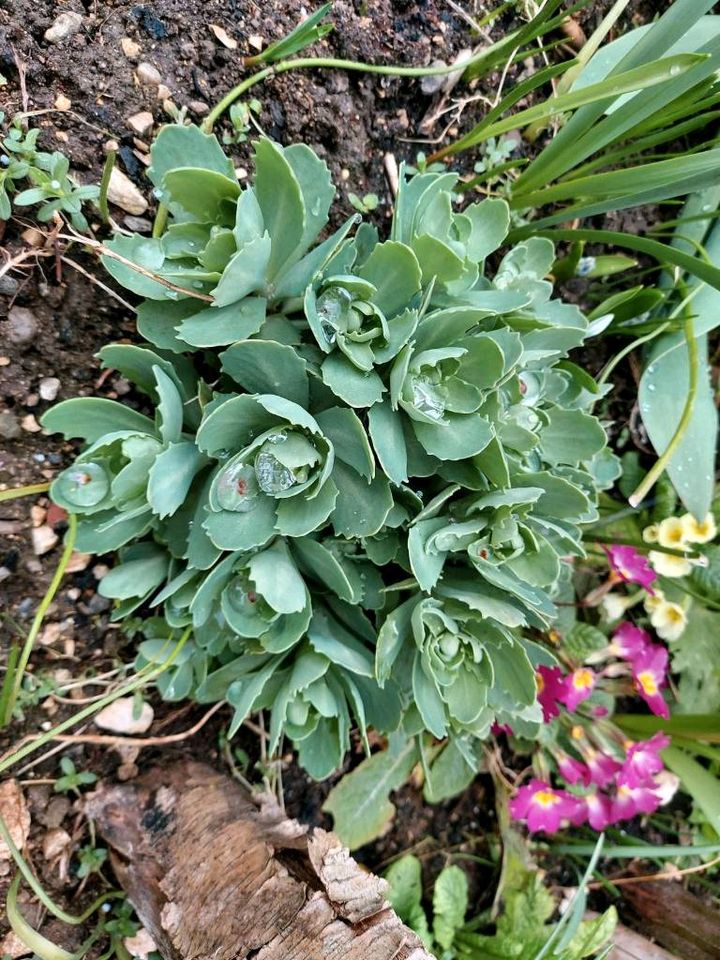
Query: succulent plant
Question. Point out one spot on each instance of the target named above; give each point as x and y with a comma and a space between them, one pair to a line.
368, 461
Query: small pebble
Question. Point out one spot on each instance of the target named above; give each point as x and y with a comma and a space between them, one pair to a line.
49, 387
119, 717
38, 515
43, 540
66, 24
148, 75
78, 562
30, 424
5, 361
224, 37
163, 92
137, 224
124, 194
256, 41
62, 102
8, 285
141, 123
199, 108
9, 425
22, 326
130, 48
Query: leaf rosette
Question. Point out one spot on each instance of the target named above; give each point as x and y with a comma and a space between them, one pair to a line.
279, 480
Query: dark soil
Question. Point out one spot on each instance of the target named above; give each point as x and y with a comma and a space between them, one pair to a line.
352, 121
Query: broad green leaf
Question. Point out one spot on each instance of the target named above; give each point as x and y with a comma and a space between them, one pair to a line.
457, 438
357, 389
205, 194
277, 579
93, 417
323, 565
169, 407
147, 254
361, 506
171, 476
395, 273
450, 903
157, 321
388, 440
345, 431
405, 895
449, 774
318, 192
571, 436
698, 781
246, 273
280, 198
490, 222
135, 578
263, 366
175, 144
360, 804
218, 326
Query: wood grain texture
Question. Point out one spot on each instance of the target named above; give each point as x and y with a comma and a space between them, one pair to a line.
212, 875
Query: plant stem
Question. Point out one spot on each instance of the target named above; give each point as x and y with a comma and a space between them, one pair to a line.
591, 537
37, 622
331, 63
664, 459
611, 364
105, 184
24, 491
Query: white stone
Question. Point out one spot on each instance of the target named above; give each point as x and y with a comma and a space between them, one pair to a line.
65, 25
130, 48
141, 123
43, 539
49, 387
148, 75
124, 194
118, 717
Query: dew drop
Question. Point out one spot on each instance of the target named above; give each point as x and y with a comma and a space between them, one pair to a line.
237, 488
272, 476
55, 184
651, 387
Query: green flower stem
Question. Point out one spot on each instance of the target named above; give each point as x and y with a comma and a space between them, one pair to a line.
40, 945
160, 220
40, 893
611, 364
37, 622
105, 185
330, 63
663, 460
24, 491
141, 679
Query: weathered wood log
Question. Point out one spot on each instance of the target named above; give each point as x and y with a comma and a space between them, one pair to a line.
212, 875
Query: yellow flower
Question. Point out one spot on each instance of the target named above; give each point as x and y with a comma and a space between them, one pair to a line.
668, 565
671, 533
613, 606
698, 531
650, 534
652, 601
669, 620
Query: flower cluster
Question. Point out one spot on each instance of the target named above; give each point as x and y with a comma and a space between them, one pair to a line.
610, 778
677, 533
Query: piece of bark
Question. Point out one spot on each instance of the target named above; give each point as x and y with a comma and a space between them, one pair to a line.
212, 876
676, 918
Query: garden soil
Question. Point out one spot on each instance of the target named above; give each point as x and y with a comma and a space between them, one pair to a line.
124, 60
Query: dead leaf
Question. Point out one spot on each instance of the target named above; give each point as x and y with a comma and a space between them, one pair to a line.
141, 944
224, 37
16, 816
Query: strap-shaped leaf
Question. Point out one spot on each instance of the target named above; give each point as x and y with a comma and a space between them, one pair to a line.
280, 198
93, 417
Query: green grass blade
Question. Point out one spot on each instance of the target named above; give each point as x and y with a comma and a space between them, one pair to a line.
696, 726
637, 79
702, 786
646, 850
559, 155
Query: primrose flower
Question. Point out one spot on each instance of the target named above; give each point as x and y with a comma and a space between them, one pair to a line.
614, 605
642, 761
650, 534
629, 641
671, 533
572, 770
598, 810
601, 766
629, 801
542, 807
698, 531
631, 566
668, 565
649, 676
550, 689
668, 619
578, 687
666, 786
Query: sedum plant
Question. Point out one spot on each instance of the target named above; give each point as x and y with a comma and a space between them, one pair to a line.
364, 462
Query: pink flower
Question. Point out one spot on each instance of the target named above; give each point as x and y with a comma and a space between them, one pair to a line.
601, 766
497, 728
578, 686
550, 689
629, 641
650, 676
643, 761
599, 810
572, 770
631, 566
542, 807
628, 801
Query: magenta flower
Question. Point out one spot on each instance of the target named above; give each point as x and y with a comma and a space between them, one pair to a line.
601, 766
598, 810
629, 641
577, 687
643, 761
650, 676
550, 689
572, 770
631, 566
542, 807
629, 801
497, 728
